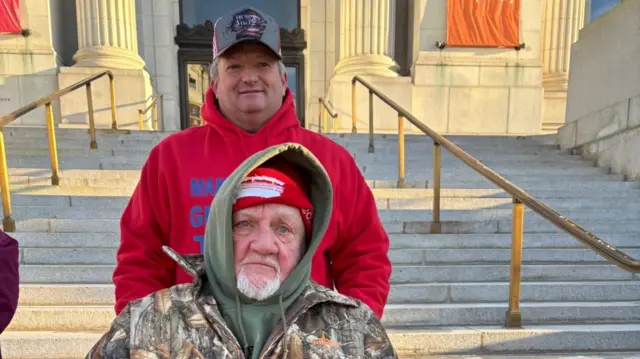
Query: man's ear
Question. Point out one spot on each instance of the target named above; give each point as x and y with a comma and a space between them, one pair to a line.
285, 81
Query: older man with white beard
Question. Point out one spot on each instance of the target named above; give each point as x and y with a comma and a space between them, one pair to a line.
252, 296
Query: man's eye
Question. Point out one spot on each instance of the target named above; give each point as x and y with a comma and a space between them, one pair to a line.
241, 224
284, 229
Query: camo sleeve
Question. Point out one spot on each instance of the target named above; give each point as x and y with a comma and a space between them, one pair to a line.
376, 341
115, 343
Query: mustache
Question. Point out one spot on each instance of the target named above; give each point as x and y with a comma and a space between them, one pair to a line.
258, 259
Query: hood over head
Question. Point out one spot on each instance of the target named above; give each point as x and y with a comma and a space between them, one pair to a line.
252, 321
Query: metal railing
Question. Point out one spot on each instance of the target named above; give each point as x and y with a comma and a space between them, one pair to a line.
519, 196
154, 114
323, 110
8, 221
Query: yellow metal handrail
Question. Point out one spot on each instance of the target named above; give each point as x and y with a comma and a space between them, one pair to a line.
153, 105
520, 199
8, 222
323, 110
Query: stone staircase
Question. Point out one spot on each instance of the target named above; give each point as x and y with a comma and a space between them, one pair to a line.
449, 290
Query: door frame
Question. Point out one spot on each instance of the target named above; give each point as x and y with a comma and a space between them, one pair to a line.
195, 46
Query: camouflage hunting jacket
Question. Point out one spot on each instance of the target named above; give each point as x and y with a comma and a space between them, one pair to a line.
177, 322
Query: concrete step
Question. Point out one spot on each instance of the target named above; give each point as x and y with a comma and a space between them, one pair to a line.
407, 315
405, 256
385, 199
610, 183
421, 171
478, 273
498, 340
62, 318
499, 225
574, 213
397, 256
99, 318
499, 241
474, 203
389, 215
531, 225
397, 241
410, 293
65, 163
66, 274
32, 132
50, 345
498, 292
401, 274
467, 193
66, 295
70, 255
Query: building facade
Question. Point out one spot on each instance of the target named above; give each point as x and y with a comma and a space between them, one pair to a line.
511, 84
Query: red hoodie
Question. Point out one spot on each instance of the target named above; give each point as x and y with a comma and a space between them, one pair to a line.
180, 178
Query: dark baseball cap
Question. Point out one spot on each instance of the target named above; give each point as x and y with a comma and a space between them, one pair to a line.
246, 24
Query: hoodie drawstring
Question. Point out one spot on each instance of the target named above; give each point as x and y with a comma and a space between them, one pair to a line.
244, 334
285, 344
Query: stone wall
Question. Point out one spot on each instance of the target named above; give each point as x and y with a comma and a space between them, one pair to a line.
603, 105
28, 63
477, 90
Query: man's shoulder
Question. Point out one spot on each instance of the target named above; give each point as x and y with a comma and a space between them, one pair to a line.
179, 295
332, 307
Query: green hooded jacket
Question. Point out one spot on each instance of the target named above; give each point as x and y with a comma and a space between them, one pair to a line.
252, 321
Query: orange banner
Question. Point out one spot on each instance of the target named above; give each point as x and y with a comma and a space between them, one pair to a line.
483, 23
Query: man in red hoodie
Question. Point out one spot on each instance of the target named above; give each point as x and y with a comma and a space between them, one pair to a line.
247, 109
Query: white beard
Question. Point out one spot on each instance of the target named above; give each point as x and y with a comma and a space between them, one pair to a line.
249, 289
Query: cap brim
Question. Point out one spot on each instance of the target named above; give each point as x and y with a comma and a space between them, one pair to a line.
245, 41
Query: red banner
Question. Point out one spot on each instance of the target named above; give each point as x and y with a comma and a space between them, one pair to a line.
483, 23
10, 16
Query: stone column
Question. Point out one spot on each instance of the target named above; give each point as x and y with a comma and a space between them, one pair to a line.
366, 38
107, 35
562, 21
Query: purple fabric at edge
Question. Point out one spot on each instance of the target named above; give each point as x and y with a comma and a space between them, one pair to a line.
9, 279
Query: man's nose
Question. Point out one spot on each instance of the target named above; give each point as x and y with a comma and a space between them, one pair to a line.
265, 243
249, 75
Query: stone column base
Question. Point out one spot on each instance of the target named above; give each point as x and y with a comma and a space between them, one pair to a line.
554, 110
107, 56
133, 92
375, 65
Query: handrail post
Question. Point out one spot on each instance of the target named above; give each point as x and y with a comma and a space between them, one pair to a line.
436, 226
325, 127
92, 123
112, 87
335, 124
354, 113
154, 114
372, 148
53, 148
140, 120
514, 318
401, 182
8, 223
320, 115
161, 99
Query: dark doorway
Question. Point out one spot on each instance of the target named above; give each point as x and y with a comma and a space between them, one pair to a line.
195, 52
